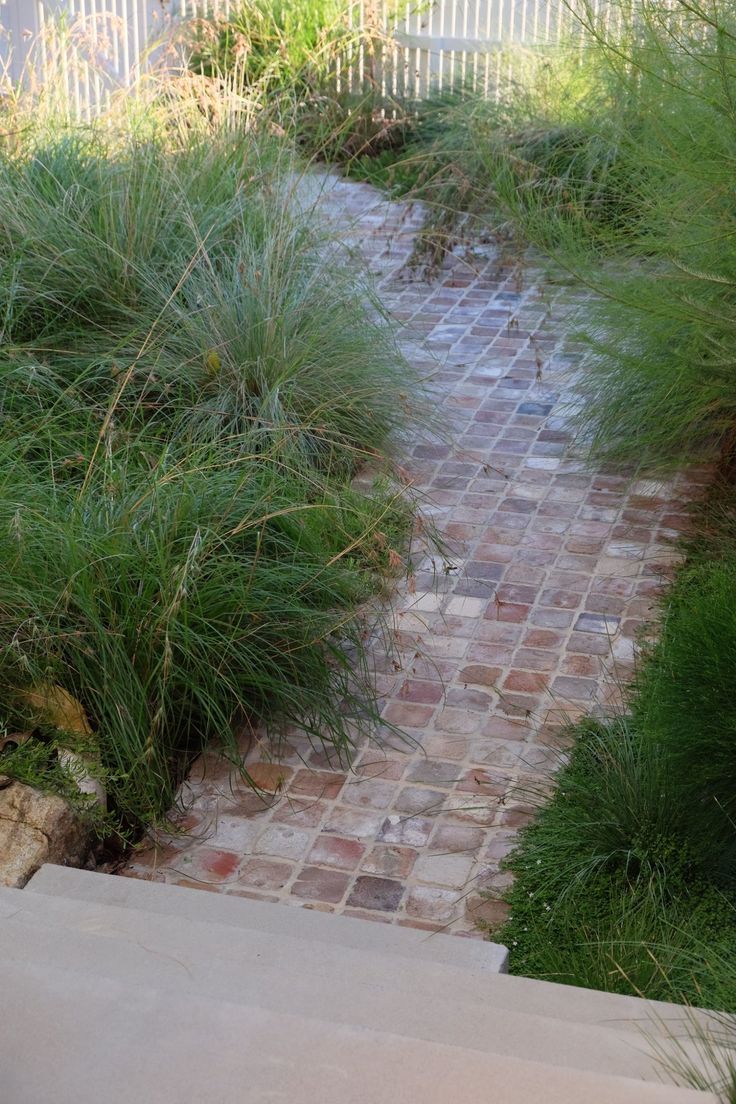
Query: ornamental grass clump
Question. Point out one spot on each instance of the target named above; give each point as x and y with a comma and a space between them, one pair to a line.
616, 886
315, 69
192, 372
627, 879
658, 388
278, 46
177, 604
184, 284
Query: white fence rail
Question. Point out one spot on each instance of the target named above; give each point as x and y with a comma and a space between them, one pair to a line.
429, 47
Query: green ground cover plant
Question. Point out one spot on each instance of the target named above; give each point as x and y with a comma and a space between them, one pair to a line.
626, 879
191, 374
616, 885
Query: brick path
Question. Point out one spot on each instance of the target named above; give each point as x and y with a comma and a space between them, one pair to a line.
553, 572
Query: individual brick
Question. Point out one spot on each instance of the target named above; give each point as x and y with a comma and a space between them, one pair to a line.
413, 801
480, 675
382, 894
343, 854
389, 861
464, 697
433, 903
301, 813
447, 869
315, 883
525, 682
595, 623
486, 910
433, 772
578, 689
318, 784
413, 831
270, 777
408, 714
536, 659
258, 873
455, 837
209, 865
416, 690
282, 841
358, 823
369, 793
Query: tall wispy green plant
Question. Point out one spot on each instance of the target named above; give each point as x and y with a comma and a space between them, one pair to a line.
635, 201
543, 154
184, 287
313, 68
618, 884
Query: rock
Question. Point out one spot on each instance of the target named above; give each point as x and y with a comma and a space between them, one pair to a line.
36, 828
55, 706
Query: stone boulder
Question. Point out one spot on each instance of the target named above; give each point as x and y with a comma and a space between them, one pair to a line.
37, 828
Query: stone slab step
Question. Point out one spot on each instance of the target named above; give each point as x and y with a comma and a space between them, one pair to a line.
73, 1037
279, 973
562, 1002
476, 955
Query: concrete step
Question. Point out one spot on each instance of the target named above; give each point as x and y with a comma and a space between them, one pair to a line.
475, 955
561, 1002
280, 973
74, 1037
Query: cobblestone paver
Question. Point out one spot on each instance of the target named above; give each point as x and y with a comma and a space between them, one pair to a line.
531, 618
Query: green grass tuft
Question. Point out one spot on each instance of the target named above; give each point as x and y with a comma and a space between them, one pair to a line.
615, 887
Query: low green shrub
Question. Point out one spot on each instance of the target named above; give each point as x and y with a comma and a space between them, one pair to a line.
614, 886
684, 704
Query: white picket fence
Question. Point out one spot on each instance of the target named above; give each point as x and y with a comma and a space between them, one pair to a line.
102, 40
448, 41
429, 47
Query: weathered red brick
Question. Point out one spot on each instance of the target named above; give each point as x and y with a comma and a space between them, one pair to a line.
382, 894
344, 854
315, 883
319, 784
